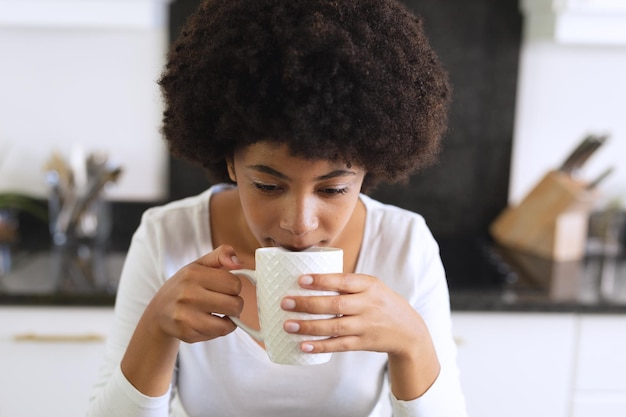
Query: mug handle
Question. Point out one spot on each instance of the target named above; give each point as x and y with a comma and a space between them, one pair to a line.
251, 275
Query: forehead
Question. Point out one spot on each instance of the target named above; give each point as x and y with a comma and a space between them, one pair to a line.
279, 157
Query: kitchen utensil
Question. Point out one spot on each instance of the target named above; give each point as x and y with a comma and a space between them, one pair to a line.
93, 189
594, 183
577, 158
74, 188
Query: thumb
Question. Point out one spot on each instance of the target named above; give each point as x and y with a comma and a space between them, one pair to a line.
222, 257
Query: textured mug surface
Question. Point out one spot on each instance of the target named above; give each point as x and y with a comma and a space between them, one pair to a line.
276, 276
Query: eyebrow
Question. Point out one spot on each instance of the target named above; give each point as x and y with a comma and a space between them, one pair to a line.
271, 171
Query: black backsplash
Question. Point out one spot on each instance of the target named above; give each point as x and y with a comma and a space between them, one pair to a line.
478, 42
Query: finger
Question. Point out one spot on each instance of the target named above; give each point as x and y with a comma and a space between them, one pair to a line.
206, 327
192, 300
344, 304
222, 257
218, 303
333, 344
211, 279
335, 327
343, 283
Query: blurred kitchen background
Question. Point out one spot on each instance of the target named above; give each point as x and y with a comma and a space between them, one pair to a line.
531, 79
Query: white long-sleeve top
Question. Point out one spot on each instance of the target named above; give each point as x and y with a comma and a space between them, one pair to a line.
232, 375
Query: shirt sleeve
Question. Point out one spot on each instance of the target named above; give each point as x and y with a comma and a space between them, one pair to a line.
119, 398
113, 395
431, 300
439, 400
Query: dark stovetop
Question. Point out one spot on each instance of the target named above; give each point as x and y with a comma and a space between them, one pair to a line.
485, 277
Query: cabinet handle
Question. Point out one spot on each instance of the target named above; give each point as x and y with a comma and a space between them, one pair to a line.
59, 338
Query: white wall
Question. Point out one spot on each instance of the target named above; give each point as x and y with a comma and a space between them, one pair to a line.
565, 92
82, 73
572, 81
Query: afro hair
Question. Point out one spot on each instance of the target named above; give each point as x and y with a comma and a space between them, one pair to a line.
350, 80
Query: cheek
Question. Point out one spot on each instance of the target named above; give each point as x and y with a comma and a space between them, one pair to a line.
331, 216
260, 217
335, 217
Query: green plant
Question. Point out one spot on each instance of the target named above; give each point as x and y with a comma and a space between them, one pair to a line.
22, 203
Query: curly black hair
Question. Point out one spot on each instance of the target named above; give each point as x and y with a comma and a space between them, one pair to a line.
351, 80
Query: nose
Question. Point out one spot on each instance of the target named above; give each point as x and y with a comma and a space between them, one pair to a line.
299, 215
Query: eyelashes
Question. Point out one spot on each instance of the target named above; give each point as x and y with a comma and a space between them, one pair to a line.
268, 188
333, 191
273, 188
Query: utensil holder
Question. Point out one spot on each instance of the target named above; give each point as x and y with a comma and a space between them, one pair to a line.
551, 221
92, 225
80, 266
78, 252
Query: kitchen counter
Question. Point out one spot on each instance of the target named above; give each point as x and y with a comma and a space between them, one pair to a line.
481, 277
520, 282
48, 278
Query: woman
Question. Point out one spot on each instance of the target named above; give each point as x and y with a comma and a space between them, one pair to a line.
296, 107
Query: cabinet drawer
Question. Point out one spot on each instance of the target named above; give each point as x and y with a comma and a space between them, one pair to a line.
601, 363
516, 365
55, 321
599, 405
50, 359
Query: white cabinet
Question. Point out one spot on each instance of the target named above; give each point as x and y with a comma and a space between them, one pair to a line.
516, 364
600, 384
50, 358
552, 365
512, 364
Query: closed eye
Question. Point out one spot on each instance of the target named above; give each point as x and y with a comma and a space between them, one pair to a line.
333, 191
266, 188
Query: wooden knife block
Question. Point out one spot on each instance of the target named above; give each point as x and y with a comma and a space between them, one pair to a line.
551, 221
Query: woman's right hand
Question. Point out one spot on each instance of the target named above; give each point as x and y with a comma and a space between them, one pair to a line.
191, 306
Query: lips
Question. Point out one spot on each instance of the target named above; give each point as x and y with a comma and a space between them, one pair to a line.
293, 246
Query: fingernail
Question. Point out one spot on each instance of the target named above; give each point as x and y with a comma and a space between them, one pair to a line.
306, 280
307, 347
235, 259
291, 327
288, 304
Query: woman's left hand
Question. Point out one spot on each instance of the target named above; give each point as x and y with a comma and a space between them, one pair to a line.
370, 317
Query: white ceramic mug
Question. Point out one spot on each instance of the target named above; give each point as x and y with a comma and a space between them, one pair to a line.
276, 276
